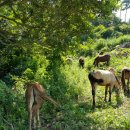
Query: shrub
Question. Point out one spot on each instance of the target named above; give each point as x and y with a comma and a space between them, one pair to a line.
101, 43
124, 28
108, 33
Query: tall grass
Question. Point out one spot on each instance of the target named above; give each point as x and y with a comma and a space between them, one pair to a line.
77, 112
109, 44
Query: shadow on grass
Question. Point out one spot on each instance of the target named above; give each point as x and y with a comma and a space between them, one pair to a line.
77, 116
127, 95
115, 103
73, 116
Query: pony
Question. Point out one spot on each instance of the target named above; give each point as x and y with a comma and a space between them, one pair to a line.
125, 74
69, 61
35, 95
105, 78
81, 62
101, 58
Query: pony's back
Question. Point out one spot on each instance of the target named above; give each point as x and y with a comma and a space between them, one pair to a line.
106, 76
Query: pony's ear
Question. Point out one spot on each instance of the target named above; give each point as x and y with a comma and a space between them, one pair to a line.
111, 69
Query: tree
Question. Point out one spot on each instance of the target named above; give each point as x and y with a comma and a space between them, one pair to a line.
55, 20
126, 6
50, 23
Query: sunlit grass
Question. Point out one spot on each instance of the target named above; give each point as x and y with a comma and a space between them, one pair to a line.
78, 114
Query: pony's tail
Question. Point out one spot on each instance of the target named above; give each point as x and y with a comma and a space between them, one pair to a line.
123, 79
51, 100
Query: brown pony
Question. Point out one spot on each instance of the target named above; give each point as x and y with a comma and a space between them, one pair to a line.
102, 58
125, 74
105, 78
81, 62
35, 95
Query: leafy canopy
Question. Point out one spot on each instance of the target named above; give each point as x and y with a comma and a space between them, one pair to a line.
51, 23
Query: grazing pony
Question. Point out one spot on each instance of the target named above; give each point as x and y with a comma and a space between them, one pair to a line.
69, 60
35, 94
105, 78
101, 58
81, 62
125, 74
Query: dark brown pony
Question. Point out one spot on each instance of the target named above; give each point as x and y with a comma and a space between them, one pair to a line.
125, 74
102, 58
81, 62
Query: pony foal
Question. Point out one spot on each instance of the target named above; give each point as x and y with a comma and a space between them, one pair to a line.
81, 62
125, 74
104, 78
35, 94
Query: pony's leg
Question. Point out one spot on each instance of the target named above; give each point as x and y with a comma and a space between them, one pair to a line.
34, 122
38, 118
106, 89
128, 86
34, 114
97, 64
107, 62
110, 92
124, 86
30, 119
93, 94
82, 66
30, 112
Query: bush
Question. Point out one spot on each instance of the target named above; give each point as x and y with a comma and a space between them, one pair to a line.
98, 31
101, 43
124, 28
12, 110
108, 33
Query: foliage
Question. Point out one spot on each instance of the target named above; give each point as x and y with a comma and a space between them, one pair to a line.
12, 109
124, 28
36, 37
97, 31
108, 33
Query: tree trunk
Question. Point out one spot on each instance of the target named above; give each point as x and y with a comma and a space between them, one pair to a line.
125, 15
120, 14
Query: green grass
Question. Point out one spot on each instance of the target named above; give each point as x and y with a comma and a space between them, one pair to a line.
77, 114
69, 85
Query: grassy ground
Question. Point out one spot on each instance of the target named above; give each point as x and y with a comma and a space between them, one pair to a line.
79, 115
72, 89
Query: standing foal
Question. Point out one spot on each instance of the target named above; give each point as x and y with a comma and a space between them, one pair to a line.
125, 74
81, 62
35, 94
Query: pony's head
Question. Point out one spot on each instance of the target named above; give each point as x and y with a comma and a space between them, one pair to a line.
111, 70
118, 84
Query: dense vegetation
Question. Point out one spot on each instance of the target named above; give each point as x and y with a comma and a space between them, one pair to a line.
36, 36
